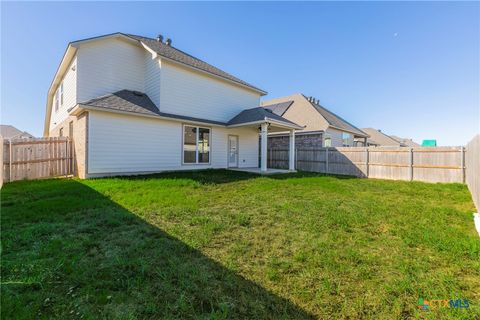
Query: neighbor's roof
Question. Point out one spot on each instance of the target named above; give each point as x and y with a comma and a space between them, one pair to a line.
258, 114
280, 107
337, 121
9, 132
175, 54
139, 103
405, 141
379, 138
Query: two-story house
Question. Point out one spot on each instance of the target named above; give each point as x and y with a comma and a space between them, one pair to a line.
137, 105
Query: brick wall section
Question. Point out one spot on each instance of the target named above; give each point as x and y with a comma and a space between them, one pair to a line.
303, 141
80, 140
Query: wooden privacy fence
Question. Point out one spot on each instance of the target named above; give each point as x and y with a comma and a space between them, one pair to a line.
440, 164
472, 162
36, 158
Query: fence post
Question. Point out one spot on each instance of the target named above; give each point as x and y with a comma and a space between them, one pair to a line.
270, 161
462, 161
411, 165
296, 159
9, 160
2, 172
326, 160
366, 162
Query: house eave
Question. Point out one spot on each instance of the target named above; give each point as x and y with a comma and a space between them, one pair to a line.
350, 131
62, 68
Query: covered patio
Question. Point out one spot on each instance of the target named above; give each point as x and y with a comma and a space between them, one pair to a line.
267, 122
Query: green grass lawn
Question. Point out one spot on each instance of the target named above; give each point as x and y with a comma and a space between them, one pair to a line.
220, 245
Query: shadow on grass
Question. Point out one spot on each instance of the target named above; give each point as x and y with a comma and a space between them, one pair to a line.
69, 251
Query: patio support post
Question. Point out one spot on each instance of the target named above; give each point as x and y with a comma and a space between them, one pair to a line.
291, 160
263, 148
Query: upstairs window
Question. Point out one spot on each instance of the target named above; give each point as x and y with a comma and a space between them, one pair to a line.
346, 139
196, 145
58, 98
61, 94
57, 101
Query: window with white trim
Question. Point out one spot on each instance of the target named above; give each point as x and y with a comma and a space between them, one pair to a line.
57, 101
61, 94
196, 145
346, 139
327, 141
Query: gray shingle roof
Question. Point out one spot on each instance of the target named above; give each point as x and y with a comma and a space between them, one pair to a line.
137, 102
279, 108
258, 114
125, 100
405, 141
379, 138
175, 54
140, 103
10, 132
336, 121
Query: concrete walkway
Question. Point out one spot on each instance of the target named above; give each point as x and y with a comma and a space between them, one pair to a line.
258, 171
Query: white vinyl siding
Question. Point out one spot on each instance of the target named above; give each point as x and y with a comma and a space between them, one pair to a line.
127, 144
152, 78
108, 66
190, 93
69, 95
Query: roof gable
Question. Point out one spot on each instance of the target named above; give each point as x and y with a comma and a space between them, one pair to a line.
335, 120
174, 54
288, 106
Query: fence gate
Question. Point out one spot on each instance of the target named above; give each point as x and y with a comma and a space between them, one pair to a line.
26, 159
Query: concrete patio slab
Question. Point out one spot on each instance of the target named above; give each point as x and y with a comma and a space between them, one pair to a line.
258, 171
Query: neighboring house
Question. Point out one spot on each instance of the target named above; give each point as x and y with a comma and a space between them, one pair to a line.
379, 139
321, 127
137, 105
10, 132
429, 143
405, 141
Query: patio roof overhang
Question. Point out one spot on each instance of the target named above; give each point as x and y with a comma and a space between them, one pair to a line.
273, 125
258, 116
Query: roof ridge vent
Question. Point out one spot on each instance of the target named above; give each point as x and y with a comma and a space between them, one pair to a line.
168, 42
160, 38
138, 93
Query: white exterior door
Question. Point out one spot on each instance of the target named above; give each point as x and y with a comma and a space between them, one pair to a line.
232, 151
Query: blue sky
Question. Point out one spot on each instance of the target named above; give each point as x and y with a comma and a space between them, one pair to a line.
411, 69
